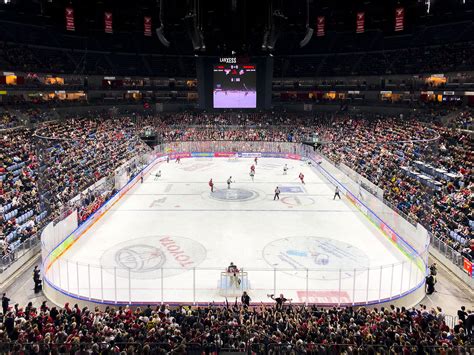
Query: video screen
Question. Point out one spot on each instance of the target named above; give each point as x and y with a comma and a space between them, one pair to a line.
235, 86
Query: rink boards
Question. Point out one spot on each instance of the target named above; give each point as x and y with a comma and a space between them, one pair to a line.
374, 282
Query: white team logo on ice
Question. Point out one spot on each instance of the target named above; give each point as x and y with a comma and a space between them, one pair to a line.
234, 195
148, 258
322, 257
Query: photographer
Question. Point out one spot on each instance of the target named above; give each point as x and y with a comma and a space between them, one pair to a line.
245, 299
37, 279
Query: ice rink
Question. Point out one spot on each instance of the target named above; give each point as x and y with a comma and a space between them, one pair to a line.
235, 99
169, 239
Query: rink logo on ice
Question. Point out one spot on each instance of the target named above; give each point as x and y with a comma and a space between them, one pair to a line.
153, 257
322, 258
291, 189
234, 195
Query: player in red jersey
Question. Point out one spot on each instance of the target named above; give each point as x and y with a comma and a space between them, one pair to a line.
178, 160
301, 176
256, 161
211, 185
252, 168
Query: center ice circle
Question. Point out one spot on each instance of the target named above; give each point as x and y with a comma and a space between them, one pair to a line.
233, 195
324, 258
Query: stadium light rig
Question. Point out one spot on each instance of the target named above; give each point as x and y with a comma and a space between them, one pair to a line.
160, 30
428, 6
309, 30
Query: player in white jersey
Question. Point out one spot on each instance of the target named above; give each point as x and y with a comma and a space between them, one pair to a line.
285, 169
252, 174
229, 181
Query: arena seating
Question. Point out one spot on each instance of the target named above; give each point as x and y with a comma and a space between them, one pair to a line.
377, 147
257, 329
77, 155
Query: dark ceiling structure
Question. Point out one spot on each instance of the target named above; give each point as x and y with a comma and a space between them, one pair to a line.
234, 26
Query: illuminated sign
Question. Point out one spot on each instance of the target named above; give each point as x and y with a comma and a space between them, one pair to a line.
228, 60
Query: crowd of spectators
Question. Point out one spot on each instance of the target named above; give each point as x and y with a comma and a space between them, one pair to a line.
73, 155
375, 146
20, 210
257, 328
78, 152
446, 208
87, 150
8, 120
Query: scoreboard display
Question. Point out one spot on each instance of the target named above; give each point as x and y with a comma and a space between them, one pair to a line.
235, 86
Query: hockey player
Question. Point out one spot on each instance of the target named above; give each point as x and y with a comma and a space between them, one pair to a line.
229, 181
158, 175
167, 158
336, 193
233, 272
256, 161
141, 178
277, 194
252, 168
301, 176
285, 169
252, 174
211, 185
178, 160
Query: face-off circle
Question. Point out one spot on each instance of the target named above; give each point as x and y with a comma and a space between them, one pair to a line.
234, 195
323, 257
153, 257
297, 200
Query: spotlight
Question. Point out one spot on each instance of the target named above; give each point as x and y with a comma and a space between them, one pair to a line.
265, 40
309, 30
307, 37
161, 36
160, 30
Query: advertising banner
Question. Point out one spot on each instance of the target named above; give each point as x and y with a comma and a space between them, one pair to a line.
293, 156
251, 155
70, 26
323, 297
202, 155
467, 266
320, 26
360, 22
224, 154
147, 26
399, 19
108, 22
180, 155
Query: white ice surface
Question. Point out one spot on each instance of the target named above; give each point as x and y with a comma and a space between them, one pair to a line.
172, 226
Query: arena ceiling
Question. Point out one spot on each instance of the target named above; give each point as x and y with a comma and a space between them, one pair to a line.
236, 24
